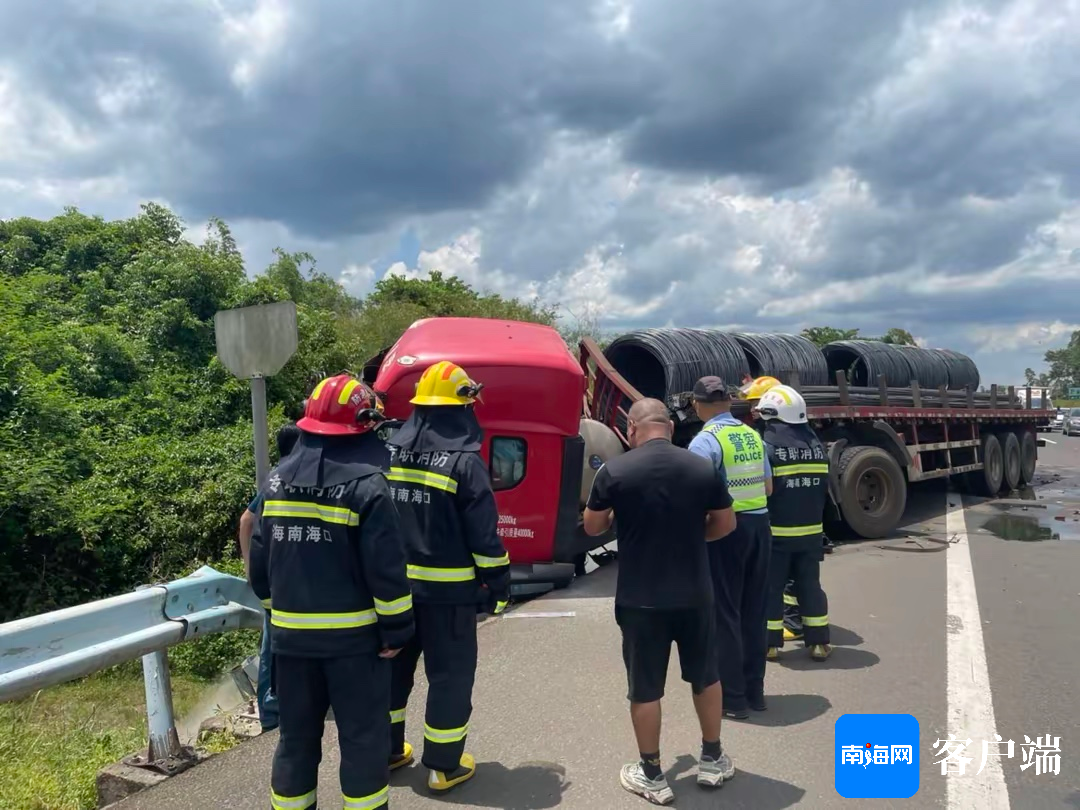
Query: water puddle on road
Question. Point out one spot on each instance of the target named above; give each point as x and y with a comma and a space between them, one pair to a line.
1027, 522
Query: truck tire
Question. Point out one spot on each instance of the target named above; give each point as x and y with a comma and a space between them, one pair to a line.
1011, 464
1029, 454
987, 481
873, 491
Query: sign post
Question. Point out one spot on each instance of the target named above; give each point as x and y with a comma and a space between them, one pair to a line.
255, 343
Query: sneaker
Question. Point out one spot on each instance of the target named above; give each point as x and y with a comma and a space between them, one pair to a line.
757, 703
792, 635
737, 714
773, 654
657, 791
819, 652
714, 772
441, 781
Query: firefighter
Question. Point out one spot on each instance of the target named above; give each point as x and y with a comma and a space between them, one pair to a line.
801, 474
739, 562
754, 388
457, 565
329, 555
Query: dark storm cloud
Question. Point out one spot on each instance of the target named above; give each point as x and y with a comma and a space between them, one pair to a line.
369, 111
755, 89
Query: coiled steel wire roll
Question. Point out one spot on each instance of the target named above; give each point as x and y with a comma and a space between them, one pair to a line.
928, 367
661, 363
961, 369
775, 355
863, 361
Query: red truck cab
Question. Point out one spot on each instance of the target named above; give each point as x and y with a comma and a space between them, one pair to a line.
530, 412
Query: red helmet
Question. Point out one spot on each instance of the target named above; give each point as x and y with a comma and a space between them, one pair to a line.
341, 406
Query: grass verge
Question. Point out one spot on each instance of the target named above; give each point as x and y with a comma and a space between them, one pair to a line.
53, 744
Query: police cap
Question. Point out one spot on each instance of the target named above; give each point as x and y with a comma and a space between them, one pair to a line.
711, 389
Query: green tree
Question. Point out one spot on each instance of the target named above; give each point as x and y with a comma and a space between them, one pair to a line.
125, 445
1064, 363
900, 337
397, 302
823, 335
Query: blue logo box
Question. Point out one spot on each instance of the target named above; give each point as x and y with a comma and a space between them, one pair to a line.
877, 756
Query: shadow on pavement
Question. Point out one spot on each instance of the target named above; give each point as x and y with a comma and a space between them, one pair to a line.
841, 658
789, 710
532, 786
842, 637
746, 790
599, 584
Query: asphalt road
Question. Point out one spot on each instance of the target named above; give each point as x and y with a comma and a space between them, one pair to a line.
965, 620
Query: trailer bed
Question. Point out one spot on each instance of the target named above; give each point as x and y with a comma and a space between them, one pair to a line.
877, 447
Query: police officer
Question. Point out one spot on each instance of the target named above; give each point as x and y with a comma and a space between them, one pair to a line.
328, 554
801, 474
740, 561
457, 563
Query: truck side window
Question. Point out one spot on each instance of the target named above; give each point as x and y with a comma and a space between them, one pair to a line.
507, 461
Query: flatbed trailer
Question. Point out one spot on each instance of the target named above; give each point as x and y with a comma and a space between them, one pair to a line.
877, 449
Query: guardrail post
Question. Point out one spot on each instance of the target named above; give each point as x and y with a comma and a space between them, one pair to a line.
164, 740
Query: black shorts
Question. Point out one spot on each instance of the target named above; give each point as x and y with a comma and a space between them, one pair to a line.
647, 634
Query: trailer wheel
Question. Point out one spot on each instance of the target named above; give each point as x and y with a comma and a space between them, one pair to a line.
987, 481
1011, 466
1029, 454
873, 491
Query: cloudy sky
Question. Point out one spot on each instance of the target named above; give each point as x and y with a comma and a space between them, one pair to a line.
766, 165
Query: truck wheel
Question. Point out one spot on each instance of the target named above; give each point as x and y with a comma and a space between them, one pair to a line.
873, 491
1029, 454
987, 481
1011, 466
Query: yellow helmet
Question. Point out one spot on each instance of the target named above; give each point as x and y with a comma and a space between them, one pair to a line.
754, 389
446, 383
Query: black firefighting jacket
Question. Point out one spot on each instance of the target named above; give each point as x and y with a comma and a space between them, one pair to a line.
800, 468
443, 493
328, 552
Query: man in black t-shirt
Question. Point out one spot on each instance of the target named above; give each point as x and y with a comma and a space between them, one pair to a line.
668, 503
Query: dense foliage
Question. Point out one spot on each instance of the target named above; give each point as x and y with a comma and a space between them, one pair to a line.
823, 335
1063, 370
125, 445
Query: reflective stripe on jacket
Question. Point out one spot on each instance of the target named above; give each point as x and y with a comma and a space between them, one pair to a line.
448, 511
800, 468
330, 563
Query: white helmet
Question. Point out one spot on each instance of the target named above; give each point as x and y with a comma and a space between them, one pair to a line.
784, 403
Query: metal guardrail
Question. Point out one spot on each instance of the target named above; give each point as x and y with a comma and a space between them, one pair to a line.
53, 648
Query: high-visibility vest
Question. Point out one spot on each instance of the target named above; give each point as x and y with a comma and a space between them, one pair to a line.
744, 463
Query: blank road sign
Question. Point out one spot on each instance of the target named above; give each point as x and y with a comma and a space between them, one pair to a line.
256, 341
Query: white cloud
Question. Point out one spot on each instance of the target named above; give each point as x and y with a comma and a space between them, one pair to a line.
357, 279
1037, 334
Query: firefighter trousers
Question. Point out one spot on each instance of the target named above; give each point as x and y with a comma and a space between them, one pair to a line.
739, 564
358, 689
803, 566
446, 636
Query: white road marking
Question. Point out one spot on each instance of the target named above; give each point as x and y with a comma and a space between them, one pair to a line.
1049, 441
971, 706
